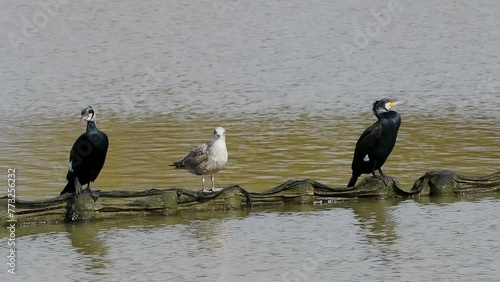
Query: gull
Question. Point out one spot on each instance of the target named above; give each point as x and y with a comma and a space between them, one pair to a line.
207, 158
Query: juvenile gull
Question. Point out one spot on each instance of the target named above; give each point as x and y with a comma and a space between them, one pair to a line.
206, 158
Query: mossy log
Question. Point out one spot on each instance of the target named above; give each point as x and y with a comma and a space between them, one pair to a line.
446, 182
114, 204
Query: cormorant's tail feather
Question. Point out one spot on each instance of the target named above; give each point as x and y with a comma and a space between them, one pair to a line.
353, 180
69, 188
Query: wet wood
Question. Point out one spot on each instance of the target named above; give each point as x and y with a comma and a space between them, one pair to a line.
164, 202
446, 182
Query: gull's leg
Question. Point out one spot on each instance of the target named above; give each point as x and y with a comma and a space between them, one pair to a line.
213, 184
203, 183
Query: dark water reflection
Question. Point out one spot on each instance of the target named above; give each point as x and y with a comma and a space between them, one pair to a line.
368, 240
86, 241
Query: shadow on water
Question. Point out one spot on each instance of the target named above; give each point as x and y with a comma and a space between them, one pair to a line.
374, 217
445, 200
85, 240
98, 245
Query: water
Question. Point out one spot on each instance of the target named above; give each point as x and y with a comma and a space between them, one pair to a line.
450, 239
293, 84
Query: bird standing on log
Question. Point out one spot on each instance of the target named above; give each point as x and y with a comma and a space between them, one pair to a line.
87, 156
376, 142
206, 158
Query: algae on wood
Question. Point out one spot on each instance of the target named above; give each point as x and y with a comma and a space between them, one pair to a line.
446, 182
114, 204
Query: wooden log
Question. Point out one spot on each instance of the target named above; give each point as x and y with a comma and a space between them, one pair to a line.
446, 182
229, 198
112, 204
291, 192
41, 211
116, 204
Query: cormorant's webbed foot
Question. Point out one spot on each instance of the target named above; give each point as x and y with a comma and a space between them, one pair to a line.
93, 193
78, 186
384, 177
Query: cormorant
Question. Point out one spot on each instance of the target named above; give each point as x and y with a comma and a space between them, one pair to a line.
206, 158
376, 142
87, 156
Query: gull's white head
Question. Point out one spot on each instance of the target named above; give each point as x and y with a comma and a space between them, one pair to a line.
219, 133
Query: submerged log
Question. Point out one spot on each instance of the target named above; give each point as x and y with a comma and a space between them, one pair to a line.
446, 182
114, 204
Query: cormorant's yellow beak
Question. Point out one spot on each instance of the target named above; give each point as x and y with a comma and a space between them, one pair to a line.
393, 103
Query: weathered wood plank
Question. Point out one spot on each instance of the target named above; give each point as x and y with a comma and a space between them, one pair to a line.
115, 204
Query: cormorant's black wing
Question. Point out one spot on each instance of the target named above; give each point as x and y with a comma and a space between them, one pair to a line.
86, 159
101, 151
75, 156
368, 139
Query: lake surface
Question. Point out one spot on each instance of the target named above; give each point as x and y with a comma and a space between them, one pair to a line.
293, 83
445, 239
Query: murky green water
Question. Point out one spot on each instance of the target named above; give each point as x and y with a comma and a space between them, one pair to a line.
293, 84
264, 151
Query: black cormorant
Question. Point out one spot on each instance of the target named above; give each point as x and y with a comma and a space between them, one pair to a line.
376, 142
87, 156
